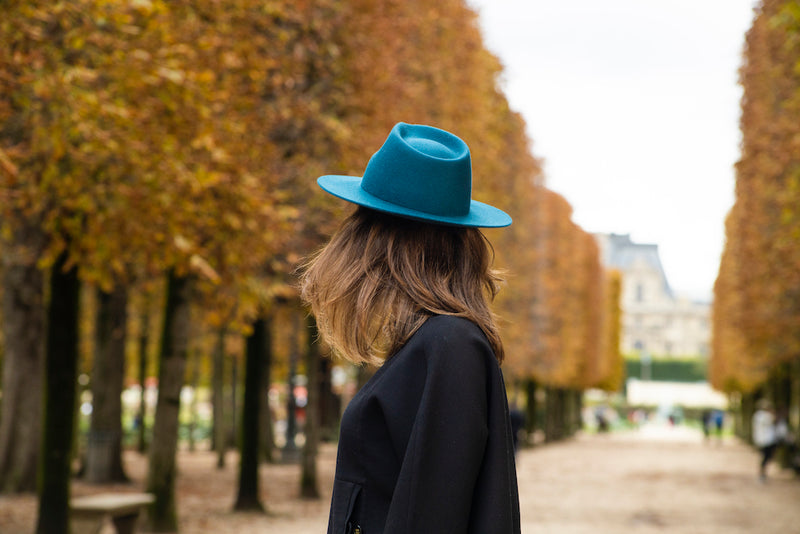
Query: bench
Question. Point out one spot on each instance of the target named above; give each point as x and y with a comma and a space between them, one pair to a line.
88, 513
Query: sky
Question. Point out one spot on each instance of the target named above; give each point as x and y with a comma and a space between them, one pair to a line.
633, 106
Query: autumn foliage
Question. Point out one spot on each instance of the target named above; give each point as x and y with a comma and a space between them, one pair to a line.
756, 313
150, 137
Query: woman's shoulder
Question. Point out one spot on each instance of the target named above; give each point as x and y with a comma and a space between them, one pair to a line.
444, 335
452, 323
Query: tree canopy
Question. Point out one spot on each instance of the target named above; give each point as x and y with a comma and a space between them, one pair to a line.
756, 313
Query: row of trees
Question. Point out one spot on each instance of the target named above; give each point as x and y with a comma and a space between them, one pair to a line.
160, 157
564, 311
756, 313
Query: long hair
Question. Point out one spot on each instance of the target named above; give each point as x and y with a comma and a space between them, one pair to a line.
380, 277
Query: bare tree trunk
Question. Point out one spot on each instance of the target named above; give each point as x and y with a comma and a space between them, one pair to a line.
290, 453
746, 410
218, 387
309, 487
144, 341
794, 408
247, 498
104, 454
531, 409
329, 403
162, 468
577, 414
554, 414
232, 430
194, 382
268, 446
563, 414
23, 369
61, 364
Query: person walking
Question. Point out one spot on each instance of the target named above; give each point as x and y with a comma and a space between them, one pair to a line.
764, 434
405, 283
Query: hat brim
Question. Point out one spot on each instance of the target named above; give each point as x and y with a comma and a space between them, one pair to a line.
349, 188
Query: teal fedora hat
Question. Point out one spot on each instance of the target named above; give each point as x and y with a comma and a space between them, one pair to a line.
422, 173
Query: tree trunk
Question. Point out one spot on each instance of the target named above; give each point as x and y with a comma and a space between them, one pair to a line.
194, 383
781, 380
218, 388
794, 409
232, 430
571, 412
563, 414
747, 409
144, 341
268, 445
531, 409
162, 468
329, 403
578, 415
308, 479
782, 386
23, 368
104, 454
290, 452
556, 418
551, 415
61, 363
247, 498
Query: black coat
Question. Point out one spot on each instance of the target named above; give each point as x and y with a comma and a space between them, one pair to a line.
425, 446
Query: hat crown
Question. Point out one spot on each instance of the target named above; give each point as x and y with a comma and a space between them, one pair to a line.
422, 168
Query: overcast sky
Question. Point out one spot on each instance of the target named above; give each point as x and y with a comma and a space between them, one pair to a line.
633, 105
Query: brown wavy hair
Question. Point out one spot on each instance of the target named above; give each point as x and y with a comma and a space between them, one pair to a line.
380, 277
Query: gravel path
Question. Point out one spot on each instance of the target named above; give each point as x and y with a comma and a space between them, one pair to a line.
660, 479
656, 480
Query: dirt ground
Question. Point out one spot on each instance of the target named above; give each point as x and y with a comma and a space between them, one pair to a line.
655, 480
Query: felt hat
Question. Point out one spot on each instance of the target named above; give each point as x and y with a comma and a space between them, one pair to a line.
422, 173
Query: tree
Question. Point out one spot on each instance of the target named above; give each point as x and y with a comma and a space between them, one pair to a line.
612, 370
218, 400
104, 455
756, 326
248, 495
59, 413
309, 486
23, 360
172, 359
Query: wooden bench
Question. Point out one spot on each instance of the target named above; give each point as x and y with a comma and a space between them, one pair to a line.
88, 513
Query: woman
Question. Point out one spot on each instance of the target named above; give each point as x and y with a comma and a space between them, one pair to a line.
426, 445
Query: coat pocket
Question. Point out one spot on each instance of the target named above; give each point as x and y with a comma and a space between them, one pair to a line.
343, 503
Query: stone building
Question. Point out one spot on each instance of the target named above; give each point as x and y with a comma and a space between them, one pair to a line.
655, 321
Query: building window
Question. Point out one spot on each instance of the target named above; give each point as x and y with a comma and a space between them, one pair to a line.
639, 292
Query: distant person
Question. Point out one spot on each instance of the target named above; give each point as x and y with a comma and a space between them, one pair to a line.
600, 417
719, 422
425, 446
786, 441
706, 422
764, 434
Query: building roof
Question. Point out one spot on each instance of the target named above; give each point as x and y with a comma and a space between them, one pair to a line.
619, 252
